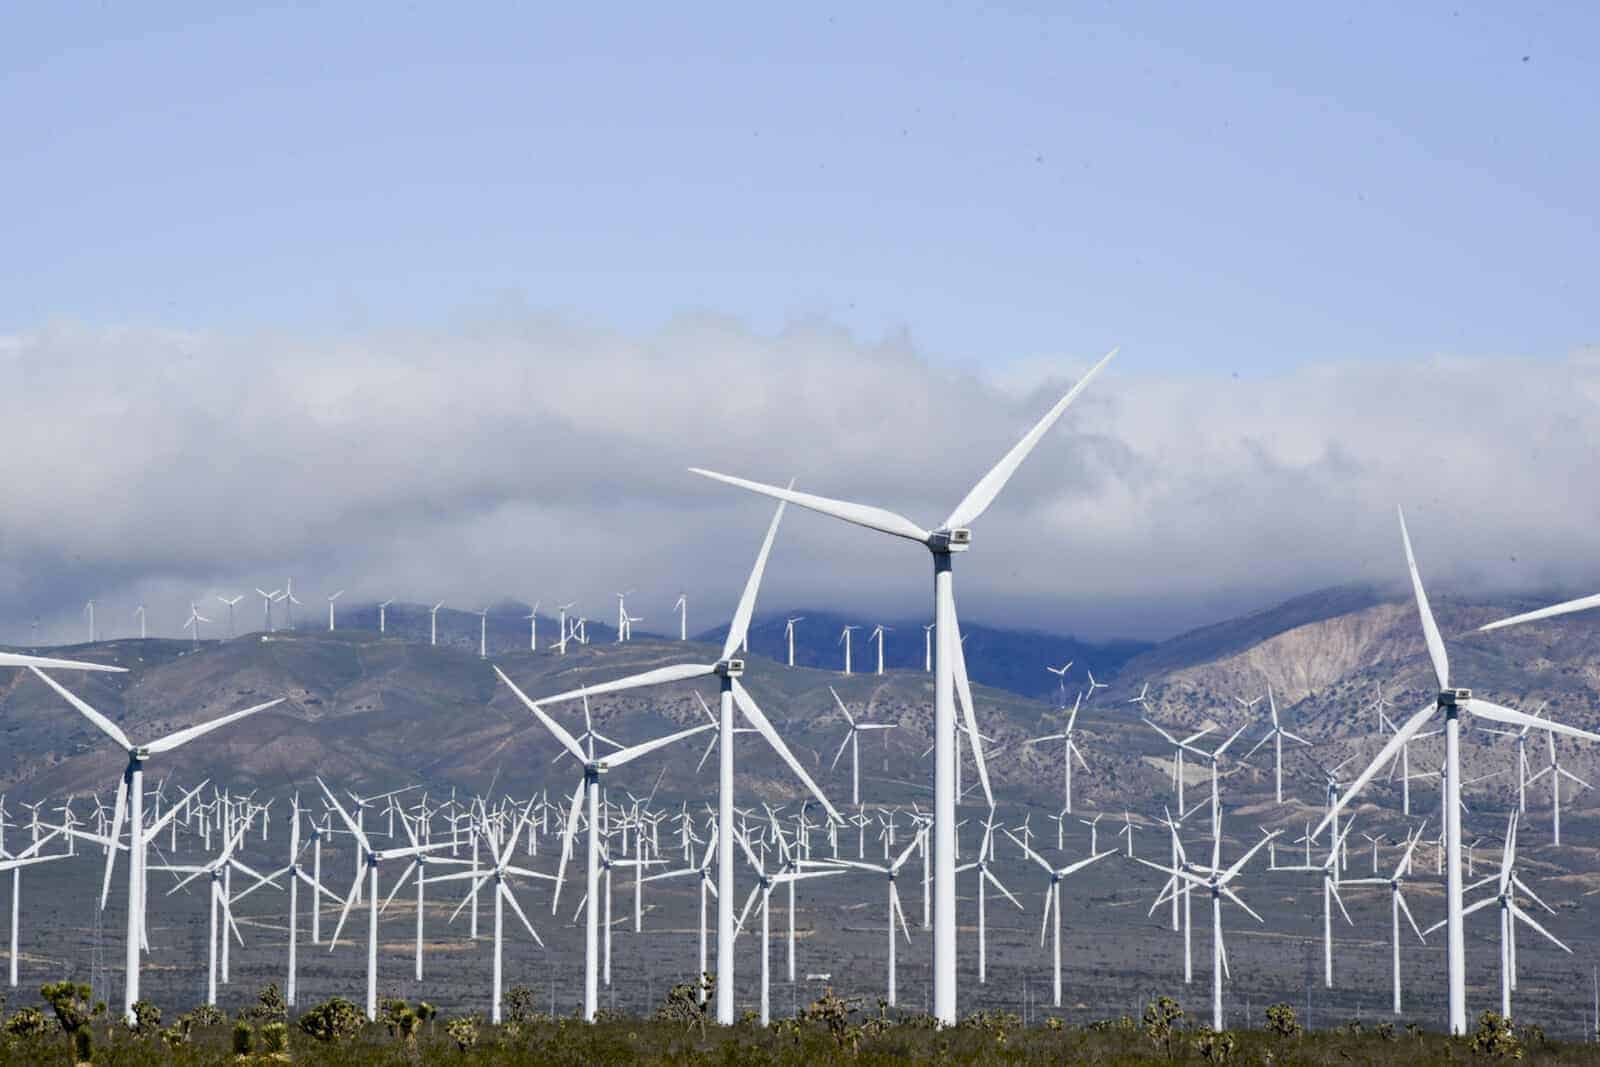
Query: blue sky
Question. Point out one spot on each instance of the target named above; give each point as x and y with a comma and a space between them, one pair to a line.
1242, 190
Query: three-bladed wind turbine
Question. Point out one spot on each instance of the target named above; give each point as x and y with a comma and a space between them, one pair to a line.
231, 603
130, 803
623, 629
267, 600
28, 857
951, 537
561, 627
788, 634
891, 872
139, 614
727, 670
1069, 752
290, 601
681, 606
1276, 736
1397, 903
331, 601
1218, 882
372, 858
533, 628
433, 623
927, 648
483, 634
765, 884
1061, 683
1052, 900
89, 610
844, 639
195, 619
707, 881
1211, 756
1328, 869
1556, 773
986, 877
383, 616
877, 635
852, 739
500, 867
587, 798
296, 874
1450, 701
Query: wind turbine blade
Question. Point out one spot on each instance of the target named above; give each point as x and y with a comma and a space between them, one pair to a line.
987, 873
739, 628
1333, 889
118, 813
1074, 868
660, 676
1409, 917
710, 745
861, 514
398, 882
344, 913
1228, 892
1564, 608
349, 823
758, 719
17, 659
1239, 865
1390, 749
964, 693
505, 891
744, 913
1531, 921
573, 814
1040, 860
982, 495
568, 742
173, 809
472, 891
894, 902
1484, 709
842, 746
1430, 629
110, 728
628, 755
184, 736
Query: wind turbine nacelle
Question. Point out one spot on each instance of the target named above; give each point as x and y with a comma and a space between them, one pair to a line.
731, 668
957, 540
1449, 698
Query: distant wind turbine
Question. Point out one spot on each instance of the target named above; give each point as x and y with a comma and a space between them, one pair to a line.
331, 600
231, 603
383, 616
788, 634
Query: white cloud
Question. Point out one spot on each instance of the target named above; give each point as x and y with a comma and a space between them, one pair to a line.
532, 456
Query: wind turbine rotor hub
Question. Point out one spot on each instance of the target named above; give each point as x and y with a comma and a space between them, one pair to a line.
957, 540
1449, 698
730, 668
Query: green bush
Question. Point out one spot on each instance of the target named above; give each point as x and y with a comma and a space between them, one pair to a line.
146, 1019
275, 1037
1282, 1020
70, 1002
243, 1038
1161, 1017
269, 1006
28, 1022
1496, 1037
205, 1015
1213, 1046
332, 1021
463, 1030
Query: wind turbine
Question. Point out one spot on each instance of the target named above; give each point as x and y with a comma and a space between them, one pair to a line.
952, 537
296, 875
500, 867
682, 608
483, 633
383, 616
89, 609
1218, 882
877, 635
985, 876
1556, 773
433, 623
1329, 871
533, 628
1069, 751
788, 634
231, 603
622, 616
372, 859
331, 599
267, 600
139, 614
844, 639
927, 649
562, 627
1450, 701
14, 863
1052, 900
1061, 682
195, 619
765, 884
1276, 736
891, 872
728, 669
853, 740
587, 795
1397, 903
703, 876
290, 601
130, 801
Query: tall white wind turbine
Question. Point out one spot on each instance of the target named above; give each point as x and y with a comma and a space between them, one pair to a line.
788, 634
267, 600
139, 614
877, 635
231, 603
372, 858
852, 739
89, 610
586, 799
844, 639
1069, 752
195, 619
728, 669
331, 600
383, 616
1397, 903
130, 802
682, 608
1451, 702
951, 538
891, 872
14, 863
765, 883
533, 628
483, 634
433, 623
1276, 736
1052, 900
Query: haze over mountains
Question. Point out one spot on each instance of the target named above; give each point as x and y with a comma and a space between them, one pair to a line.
370, 711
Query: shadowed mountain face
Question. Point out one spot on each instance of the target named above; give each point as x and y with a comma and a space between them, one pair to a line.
375, 712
